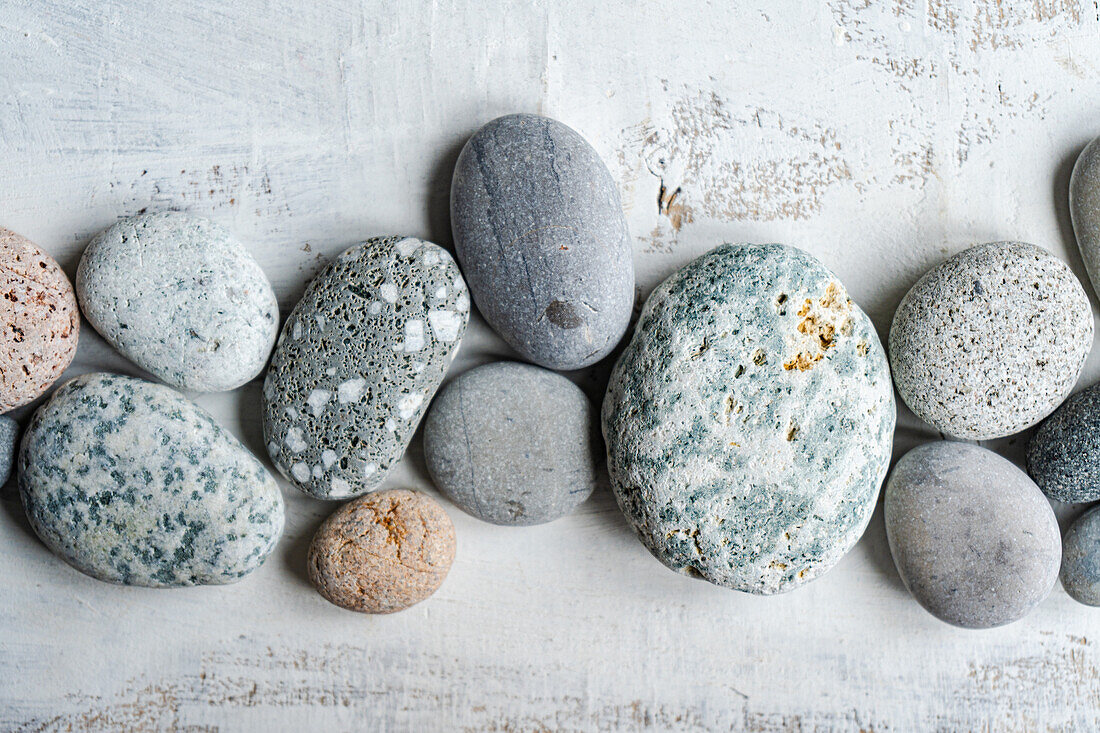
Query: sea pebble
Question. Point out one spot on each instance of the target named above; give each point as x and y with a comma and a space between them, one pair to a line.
1064, 454
358, 361
129, 482
1081, 559
382, 552
39, 326
1084, 208
513, 444
9, 436
749, 422
973, 538
180, 297
991, 341
541, 236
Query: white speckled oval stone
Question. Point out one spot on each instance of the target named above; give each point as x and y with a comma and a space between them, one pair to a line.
1084, 208
542, 239
973, 538
991, 341
180, 297
358, 361
129, 482
749, 422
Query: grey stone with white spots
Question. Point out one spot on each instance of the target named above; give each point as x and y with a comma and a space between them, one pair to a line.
180, 297
973, 538
357, 362
513, 444
9, 436
1084, 208
989, 342
540, 232
130, 483
1081, 559
749, 422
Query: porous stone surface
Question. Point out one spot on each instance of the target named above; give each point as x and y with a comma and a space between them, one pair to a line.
180, 297
991, 341
9, 435
129, 482
749, 422
542, 239
513, 443
382, 552
39, 324
973, 538
1084, 208
1081, 559
358, 362
1063, 456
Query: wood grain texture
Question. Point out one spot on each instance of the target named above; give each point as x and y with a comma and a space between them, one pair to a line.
880, 136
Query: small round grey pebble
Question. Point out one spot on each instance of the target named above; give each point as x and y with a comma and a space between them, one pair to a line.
1064, 454
130, 483
542, 239
973, 538
1081, 559
1084, 208
989, 342
513, 444
358, 361
749, 421
9, 436
180, 297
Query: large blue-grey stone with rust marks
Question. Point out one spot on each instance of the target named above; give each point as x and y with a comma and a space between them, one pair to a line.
357, 362
541, 236
129, 482
750, 420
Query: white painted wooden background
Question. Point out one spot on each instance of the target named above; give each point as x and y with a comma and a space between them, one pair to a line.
880, 136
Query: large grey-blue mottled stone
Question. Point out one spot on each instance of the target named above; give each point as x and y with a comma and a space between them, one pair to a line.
180, 297
990, 341
973, 538
513, 443
9, 435
542, 239
749, 422
358, 361
1063, 456
129, 482
1084, 208
1081, 559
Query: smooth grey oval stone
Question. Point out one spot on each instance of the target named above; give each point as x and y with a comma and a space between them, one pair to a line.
542, 239
357, 362
1081, 559
513, 444
749, 422
1084, 208
1063, 456
129, 482
973, 538
180, 297
991, 341
9, 435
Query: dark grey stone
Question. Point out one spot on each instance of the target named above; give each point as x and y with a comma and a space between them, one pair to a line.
1081, 559
542, 239
1064, 454
973, 538
749, 421
357, 362
129, 482
1084, 208
513, 444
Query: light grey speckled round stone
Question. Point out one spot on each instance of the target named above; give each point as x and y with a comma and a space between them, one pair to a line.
1081, 559
1084, 208
129, 482
1063, 456
749, 422
542, 239
991, 341
513, 444
180, 297
358, 361
9, 435
973, 538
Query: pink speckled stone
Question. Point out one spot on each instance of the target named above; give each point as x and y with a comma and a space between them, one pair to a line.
382, 552
39, 321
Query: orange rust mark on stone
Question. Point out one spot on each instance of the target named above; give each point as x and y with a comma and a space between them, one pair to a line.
820, 324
